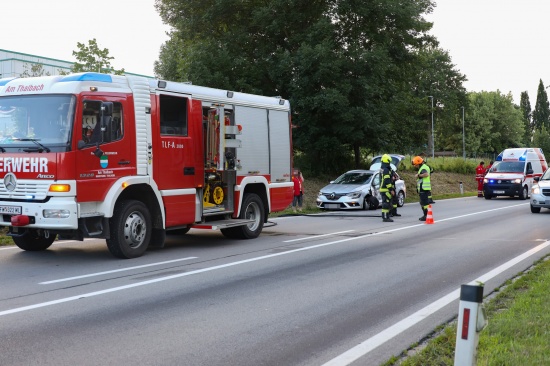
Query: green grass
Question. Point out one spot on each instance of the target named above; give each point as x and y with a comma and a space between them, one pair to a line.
518, 332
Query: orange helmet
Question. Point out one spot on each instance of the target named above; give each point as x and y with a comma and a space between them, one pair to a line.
417, 160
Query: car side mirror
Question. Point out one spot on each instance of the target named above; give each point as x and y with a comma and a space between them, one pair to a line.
536, 179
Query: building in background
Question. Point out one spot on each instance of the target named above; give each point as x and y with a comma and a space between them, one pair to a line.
16, 64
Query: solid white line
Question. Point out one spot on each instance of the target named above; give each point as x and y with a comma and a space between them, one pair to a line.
115, 270
368, 345
317, 236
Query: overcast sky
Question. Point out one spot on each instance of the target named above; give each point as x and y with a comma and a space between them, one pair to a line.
497, 44
131, 30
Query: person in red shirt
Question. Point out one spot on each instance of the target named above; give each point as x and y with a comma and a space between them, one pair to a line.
480, 174
298, 180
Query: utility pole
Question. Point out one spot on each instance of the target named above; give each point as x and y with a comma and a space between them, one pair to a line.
463, 137
433, 140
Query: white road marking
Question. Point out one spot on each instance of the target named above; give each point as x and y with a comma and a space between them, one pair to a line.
368, 345
115, 270
317, 236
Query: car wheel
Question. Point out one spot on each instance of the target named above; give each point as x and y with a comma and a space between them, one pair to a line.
535, 209
488, 196
523, 194
373, 203
400, 199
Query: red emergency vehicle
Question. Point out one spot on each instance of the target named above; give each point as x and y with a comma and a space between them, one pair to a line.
128, 158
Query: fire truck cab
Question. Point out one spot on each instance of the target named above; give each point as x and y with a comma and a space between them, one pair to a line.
128, 159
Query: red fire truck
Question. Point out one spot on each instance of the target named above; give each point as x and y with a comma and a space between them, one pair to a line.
128, 159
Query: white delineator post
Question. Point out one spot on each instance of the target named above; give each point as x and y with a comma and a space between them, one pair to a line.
471, 320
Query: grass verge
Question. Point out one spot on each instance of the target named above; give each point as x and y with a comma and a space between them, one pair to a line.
518, 332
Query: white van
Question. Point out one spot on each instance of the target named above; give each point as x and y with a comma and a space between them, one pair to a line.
513, 173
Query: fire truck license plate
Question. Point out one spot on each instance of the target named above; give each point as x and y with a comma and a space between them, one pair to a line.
12, 210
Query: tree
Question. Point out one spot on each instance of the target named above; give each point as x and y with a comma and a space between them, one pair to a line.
494, 123
35, 70
91, 58
525, 107
345, 66
541, 114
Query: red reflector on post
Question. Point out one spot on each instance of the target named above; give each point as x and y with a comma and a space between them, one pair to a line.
20, 220
465, 323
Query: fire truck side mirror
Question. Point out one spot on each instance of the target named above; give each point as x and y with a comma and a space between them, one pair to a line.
98, 152
107, 109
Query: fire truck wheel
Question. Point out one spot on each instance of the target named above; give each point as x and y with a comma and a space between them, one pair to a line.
252, 209
131, 230
32, 241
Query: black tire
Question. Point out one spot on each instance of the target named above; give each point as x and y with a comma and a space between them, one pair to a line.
179, 231
32, 241
535, 209
524, 194
488, 196
400, 199
131, 230
373, 203
252, 208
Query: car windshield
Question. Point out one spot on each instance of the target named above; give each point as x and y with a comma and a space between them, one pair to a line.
546, 175
353, 178
508, 167
28, 119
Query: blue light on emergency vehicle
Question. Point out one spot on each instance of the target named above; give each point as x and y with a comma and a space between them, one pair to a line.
88, 76
5, 81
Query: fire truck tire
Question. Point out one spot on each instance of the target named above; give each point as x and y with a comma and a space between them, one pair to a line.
33, 242
131, 230
253, 209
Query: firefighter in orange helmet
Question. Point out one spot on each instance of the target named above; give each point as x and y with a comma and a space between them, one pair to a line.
480, 174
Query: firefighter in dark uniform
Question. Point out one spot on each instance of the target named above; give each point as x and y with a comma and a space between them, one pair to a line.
394, 199
423, 184
387, 190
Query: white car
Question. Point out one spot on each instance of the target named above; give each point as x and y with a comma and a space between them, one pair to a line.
540, 192
357, 189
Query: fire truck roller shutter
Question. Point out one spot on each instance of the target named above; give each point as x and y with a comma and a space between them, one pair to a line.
254, 153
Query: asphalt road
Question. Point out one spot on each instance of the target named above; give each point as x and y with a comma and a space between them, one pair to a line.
337, 289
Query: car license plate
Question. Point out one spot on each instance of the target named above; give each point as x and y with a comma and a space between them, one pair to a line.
498, 192
332, 205
11, 210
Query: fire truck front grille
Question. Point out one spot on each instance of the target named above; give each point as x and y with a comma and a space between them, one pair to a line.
25, 190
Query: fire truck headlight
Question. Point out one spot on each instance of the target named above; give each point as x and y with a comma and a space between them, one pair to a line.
56, 214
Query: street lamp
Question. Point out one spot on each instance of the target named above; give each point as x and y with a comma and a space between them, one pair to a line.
433, 140
463, 137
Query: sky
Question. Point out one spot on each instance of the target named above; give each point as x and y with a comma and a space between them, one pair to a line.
131, 30
498, 44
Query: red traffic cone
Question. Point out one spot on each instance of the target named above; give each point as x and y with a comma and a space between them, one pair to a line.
429, 216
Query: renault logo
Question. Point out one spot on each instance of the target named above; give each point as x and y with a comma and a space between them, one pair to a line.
10, 182
332, 195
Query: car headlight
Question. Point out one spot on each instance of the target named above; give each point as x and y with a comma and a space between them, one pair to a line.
535, 189
485, 180
517, 180
354, 195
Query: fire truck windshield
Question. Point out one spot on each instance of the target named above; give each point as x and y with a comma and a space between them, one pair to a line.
28, 119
